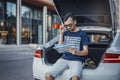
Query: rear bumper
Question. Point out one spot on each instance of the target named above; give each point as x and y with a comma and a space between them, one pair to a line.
105, 71
39, 69
102, 72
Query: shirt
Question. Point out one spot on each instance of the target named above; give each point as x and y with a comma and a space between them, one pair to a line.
76, 40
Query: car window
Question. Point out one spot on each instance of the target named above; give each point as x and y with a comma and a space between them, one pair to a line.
117, 40
99, 38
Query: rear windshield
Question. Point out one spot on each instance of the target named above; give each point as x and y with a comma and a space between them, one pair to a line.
99, 38
117, 40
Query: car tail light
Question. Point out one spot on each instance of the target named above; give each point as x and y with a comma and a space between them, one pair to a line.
111, 58
38, 54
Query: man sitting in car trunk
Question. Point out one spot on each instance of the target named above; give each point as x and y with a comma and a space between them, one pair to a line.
73, 59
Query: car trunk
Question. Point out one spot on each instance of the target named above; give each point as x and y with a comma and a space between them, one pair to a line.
97, 48
88, 12
92, 13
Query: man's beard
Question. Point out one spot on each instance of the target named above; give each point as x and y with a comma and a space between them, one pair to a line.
71, 29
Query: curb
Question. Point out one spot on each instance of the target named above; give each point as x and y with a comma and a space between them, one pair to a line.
17, 47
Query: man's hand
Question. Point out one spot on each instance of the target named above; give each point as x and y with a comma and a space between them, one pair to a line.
84, 52
61, 29
72, 50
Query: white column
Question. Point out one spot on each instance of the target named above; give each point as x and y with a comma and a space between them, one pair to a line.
40, 34
18, 22
44, 23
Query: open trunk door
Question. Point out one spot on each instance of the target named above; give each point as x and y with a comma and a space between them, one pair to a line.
88, 12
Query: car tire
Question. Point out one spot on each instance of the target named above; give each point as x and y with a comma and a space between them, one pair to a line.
36, 79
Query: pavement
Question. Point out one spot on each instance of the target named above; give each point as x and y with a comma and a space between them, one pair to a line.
17, 47
16, 52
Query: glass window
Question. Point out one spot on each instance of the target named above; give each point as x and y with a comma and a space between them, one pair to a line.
25, 12
51, 32
99, 38
55, 19
10, 24
117, 40
1, 10
35, 14
26, 25
2, 32
40, 16
37, 27
26, 30
11, 9
31, 25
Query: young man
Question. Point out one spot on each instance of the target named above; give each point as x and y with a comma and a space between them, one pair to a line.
73, 59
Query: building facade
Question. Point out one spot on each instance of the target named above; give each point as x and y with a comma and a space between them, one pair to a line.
30, 21
117, 4
27, 22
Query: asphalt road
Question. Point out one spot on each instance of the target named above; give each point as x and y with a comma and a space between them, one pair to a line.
16, 65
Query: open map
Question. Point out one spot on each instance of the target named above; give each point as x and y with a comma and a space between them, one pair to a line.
61, 48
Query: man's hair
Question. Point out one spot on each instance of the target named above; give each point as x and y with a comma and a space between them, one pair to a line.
69, 15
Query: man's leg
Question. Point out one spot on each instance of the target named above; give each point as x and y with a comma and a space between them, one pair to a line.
49, 76
58, 68
75, 78
75, 69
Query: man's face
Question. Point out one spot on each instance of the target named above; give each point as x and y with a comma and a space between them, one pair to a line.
70, 24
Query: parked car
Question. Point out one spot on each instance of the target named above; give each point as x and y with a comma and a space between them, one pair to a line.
96, 18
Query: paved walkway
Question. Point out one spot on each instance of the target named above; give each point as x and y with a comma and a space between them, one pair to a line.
17, 47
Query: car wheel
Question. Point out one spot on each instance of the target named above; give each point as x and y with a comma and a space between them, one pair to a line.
36, 79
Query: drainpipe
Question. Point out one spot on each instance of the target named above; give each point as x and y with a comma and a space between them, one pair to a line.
18, 22
44, 23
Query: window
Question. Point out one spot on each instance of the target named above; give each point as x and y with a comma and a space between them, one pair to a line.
117, 40
99, 38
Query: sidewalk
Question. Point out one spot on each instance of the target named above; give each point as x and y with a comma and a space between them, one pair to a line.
17, 47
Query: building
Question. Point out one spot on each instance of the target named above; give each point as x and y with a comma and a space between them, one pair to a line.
27, 21
30, 21
117, 7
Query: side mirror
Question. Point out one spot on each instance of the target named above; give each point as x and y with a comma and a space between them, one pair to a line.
56, 26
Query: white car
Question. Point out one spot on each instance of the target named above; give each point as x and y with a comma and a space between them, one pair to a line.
103, 60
